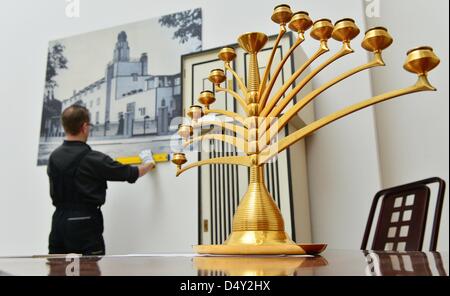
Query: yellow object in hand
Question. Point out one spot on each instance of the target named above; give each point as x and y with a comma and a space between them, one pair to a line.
158, 157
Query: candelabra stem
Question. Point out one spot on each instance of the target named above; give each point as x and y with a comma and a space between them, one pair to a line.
256, 174
253, 74
346, 49
266, 90
238, 79
238, 98
233, 115
271, 103
422, 84
377, 61
269, 63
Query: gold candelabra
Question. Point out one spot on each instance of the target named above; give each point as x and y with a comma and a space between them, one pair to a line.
258, 226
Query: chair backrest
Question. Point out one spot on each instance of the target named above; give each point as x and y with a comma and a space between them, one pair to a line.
403, 215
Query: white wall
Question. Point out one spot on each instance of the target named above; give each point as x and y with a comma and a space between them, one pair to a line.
159, 213
413, 131
410, 133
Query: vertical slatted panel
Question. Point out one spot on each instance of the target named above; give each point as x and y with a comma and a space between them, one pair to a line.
228, 191
216, 206
219, 191
277, 189
211, 204
271, 177
224, 192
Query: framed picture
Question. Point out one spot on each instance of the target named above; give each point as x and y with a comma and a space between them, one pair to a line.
128, 77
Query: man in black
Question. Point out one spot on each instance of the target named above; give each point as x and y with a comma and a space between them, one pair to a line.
78, 182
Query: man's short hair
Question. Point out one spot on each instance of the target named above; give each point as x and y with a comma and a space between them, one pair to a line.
73, 118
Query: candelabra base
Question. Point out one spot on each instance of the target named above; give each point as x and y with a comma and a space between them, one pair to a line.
254, 243
286, 249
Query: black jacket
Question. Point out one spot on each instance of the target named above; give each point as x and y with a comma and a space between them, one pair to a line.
94, 170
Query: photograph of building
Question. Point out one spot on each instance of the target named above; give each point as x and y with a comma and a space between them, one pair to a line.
134, 98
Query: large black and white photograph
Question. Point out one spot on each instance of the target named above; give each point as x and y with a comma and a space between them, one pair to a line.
129, 79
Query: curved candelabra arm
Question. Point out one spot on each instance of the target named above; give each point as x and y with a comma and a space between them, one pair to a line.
234, 160
241, 131
345, 50
273, 79
230, 114
262, 86
266, 109
236, 96
266, 154
240, 144
238, 79
284, 119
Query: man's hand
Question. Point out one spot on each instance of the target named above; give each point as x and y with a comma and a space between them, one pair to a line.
148, 163
147, 156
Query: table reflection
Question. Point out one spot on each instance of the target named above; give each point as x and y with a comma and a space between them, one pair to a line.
255, 265
74, 266
404, 263
329, 263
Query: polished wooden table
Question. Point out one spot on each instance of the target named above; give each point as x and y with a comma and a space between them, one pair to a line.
330, 263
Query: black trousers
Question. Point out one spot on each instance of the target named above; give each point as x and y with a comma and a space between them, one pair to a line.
77, 231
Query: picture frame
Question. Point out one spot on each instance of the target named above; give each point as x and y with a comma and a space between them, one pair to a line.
128, 77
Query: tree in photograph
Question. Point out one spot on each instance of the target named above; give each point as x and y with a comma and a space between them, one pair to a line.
188, 24
52, 107
55, 61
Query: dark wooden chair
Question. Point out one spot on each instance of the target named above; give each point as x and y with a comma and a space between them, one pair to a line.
403, 215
